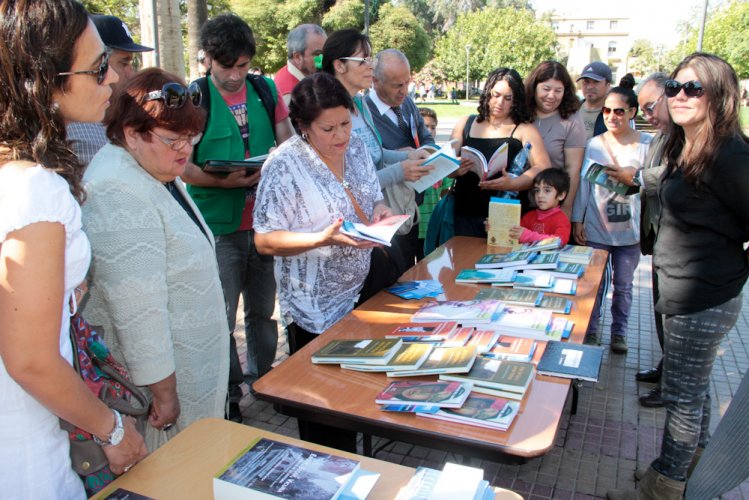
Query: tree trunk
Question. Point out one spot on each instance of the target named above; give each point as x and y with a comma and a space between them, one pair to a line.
171, 49
197, 14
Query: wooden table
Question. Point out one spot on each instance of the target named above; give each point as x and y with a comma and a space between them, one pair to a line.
184, 467
344, 398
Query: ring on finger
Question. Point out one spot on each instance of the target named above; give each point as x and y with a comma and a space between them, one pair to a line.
167, 427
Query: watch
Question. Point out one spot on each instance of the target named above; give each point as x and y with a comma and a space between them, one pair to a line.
115, 437
637, 178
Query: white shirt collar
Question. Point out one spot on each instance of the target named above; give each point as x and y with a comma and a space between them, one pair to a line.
384, 109
294, 71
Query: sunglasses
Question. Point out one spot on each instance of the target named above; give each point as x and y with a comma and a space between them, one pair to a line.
175, 95
650, 108
617, 111
691, 88
100, 74
361, 60
177, 144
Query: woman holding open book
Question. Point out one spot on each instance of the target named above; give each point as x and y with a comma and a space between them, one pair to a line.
503, 118
700, 258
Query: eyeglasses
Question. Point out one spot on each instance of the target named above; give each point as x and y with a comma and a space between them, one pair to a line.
175, 95
100, 74
361, 60
617, 111
691, 88
177, 144
650, 108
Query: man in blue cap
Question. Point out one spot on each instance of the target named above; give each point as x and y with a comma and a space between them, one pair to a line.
88, 138
596, 81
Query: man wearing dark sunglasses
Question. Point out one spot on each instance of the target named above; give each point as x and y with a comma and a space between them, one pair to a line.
245, 118
595, 83
88, 138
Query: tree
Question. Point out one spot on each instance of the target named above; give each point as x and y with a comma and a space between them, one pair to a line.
497, 37
344, 14
643, 57
398, 29
197, 14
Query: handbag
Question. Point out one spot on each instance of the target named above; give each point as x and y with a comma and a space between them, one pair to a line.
110, 382
442, 223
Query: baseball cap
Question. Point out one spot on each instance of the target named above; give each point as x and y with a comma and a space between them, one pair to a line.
595, 71
115, 34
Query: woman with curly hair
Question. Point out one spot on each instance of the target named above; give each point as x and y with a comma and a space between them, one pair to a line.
503, 117
553, 104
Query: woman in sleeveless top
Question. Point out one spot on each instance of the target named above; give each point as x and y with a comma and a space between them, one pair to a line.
502, 118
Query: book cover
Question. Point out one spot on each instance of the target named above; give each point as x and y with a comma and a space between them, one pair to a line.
270, 469
524, 321
556, 304
503, 215
410, 356
443, 161
404, 408
550, 243
375, 351
564, 286
483, 340
533, 280
421, 485
442, 360
576, 254
515, 396
459, 337
511, 296
416, 289
506, 276
596, 174
513, 348
542, 261
480, 410
359, 485
566, 360
380, 232
504, 260
483, 168
568, 270
514, 376
560, 328
474, 311
423, 332
445, 394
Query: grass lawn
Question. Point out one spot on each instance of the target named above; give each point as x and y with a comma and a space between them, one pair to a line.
744, 116
445, 110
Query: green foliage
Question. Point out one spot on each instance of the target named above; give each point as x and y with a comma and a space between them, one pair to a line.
127, 10
398, 28
344, 14
726, 35
498, 37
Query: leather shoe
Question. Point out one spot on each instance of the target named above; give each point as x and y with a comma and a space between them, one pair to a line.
652, 399
651, 376
235, 413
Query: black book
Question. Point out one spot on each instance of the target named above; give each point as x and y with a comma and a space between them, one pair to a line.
566, 360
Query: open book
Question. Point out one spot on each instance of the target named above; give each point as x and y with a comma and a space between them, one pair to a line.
596, 174
379, 232
444, 162
483, 168
227, 166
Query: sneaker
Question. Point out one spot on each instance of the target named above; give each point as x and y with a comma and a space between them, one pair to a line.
618, 344
591, 339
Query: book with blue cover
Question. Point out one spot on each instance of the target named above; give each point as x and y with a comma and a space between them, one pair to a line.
567, 360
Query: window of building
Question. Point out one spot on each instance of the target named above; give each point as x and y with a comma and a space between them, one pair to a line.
555, 25
589, 25
613, 25
612, 49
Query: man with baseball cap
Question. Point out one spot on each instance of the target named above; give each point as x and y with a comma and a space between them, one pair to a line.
88, 138
596, 81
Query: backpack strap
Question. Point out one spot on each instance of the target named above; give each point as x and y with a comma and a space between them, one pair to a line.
467, 127
266, 97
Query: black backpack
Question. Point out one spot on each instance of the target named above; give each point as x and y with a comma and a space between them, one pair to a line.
261, 88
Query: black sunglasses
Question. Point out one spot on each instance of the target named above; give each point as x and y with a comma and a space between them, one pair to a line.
101, 73
691, 88
617, 111
175, 95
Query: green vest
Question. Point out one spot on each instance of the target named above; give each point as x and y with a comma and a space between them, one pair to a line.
222, 208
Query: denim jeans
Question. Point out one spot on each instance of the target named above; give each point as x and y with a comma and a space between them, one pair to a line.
243, 270
620, 269
691, 343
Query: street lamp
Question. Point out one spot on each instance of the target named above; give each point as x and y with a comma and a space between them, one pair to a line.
468, 54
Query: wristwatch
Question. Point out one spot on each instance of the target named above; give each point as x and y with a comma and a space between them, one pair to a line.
637, 179
115, 437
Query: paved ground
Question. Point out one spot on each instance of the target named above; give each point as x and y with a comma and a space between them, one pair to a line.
599, 448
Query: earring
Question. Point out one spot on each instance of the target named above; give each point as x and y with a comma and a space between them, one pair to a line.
55, 106
304, 136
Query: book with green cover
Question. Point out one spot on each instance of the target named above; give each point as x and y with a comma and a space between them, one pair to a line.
550, 243
544, 261
359, 351
511, 296
502, 260
596, 174
462, 311
556, 304
442, 360
576, 254
514, 376
409, 356
568, 270
506, 276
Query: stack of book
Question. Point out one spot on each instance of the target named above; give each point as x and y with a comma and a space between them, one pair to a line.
465, 312
575, 254
453, 482
511, 348
407, 396
416, 289
506, 379
526, 298
550, 243
359, 352
480, 410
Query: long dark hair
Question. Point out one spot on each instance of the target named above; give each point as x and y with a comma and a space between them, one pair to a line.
721, 124
343, 43
552, 70
37, 41
518, 111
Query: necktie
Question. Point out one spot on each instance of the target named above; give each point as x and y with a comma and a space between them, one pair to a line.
401, 122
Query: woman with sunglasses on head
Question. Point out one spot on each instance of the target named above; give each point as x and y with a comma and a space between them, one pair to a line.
553, 104
53, 71
154, 283
503, 118
604, 219
699, 257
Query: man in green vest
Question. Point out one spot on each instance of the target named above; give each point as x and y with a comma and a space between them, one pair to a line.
245, 118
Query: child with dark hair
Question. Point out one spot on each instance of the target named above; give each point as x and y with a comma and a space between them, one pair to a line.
550, 188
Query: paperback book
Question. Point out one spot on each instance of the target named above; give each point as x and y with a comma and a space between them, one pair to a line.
564, 286
567, 360
531, 322
483, 168
533, 280
359, 351
443, 162
504, 260
568, 271
542, 261
271, 469
459, 337
513, 349
445, 394
416, 289
512, 376
423, 332
556, 304
511, 296
576, 254
550, 243
495, 276
461, 311
442, 360
483, 340
504, 213
596, 174
409, 357
380, 232
480, 410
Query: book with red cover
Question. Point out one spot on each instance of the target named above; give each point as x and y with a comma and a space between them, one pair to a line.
513, 348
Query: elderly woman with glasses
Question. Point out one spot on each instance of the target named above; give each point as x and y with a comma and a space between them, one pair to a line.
154, 283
